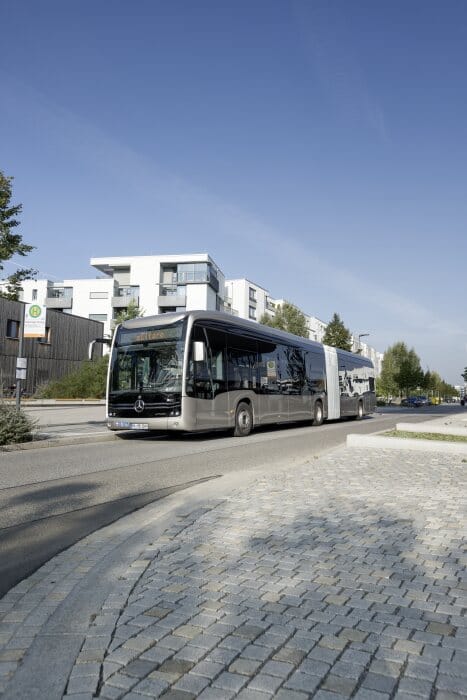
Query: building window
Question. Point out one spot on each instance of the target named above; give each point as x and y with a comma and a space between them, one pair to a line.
34, 294
252, 312
98, 295
12, 329
252, 294
98, 317
46, 337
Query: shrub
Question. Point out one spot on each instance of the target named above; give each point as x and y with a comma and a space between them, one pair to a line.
88, 382
15, 425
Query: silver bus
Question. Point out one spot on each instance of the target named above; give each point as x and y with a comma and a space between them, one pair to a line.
201, 370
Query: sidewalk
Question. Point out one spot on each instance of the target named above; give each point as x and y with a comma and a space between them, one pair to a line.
342, 577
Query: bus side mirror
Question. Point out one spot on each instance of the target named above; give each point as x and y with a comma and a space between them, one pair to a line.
103, 341
199, 351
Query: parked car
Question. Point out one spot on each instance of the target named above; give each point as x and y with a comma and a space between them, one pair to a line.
423, 401
415, 401
411, 402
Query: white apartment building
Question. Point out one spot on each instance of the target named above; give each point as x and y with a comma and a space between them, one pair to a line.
164, 283
157, 284
247, 299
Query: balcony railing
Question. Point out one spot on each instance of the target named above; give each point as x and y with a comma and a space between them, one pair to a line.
171, 290
59, 292
59, 298
189, 276
124, 295
171, 295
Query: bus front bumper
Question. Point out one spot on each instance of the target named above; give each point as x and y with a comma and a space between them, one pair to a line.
169, 423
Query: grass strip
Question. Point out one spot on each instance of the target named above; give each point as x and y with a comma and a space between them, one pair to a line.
425, 436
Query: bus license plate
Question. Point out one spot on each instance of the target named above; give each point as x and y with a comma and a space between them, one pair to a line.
131, 426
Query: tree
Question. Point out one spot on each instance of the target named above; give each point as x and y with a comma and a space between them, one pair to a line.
131, 311
410, 374
11, 243
387, 385
287, 318
395, 371
337, 335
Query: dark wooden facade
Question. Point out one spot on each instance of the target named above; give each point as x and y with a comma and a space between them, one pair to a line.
66, 347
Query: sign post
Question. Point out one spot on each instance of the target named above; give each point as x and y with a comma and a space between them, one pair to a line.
34, 321
19, 377
32, 326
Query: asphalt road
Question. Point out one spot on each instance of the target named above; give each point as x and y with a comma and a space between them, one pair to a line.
51, 498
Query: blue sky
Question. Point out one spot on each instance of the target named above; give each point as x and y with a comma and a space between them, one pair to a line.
316, 147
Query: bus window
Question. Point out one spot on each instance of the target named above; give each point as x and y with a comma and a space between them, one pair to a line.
269, 367
216, 359
242, 360
206, 377
316, 372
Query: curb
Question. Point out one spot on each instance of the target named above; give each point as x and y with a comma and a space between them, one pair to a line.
58, 442
429, 428
388, 443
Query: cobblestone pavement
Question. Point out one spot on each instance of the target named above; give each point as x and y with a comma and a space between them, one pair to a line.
343, 577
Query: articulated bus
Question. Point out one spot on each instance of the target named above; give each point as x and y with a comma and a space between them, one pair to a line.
201, 370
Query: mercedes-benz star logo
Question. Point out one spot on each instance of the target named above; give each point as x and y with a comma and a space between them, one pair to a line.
139, 405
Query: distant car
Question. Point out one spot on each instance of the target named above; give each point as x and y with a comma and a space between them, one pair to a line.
411, 402
423, 401
415, 401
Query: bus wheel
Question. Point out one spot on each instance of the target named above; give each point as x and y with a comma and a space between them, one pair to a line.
243, 420
359, 415
318, 415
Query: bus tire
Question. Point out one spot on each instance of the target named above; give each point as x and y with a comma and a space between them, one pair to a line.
243, 420
359, 415
318, 414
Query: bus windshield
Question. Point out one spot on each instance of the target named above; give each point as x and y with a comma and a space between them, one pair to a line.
148, 359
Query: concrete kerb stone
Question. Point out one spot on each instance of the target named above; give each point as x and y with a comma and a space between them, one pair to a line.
455, 425
417, 445
433, 428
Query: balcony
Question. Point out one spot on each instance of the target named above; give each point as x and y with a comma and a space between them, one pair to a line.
59, 298
189, 273
125, 295
171, 295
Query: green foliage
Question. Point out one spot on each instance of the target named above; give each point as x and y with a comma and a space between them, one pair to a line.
401, 371
337, 335
15, 425
393, 358
88, 382
11, 243
131, 311
287, 318
410, 374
